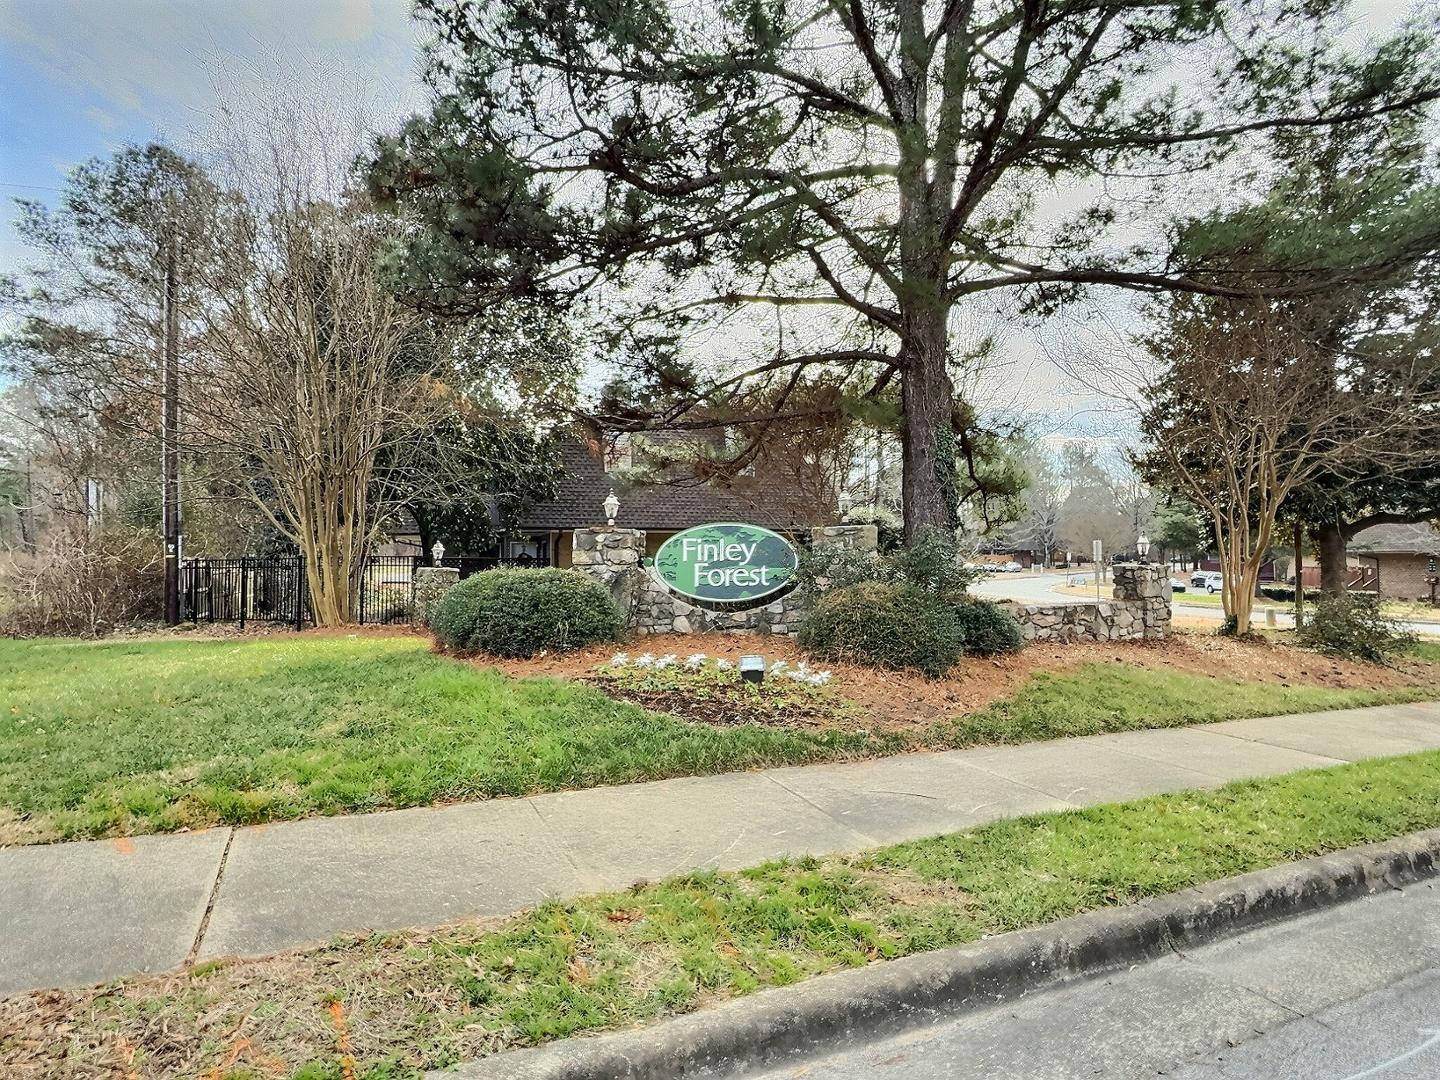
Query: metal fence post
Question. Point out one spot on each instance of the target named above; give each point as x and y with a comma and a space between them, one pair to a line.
300, 592
244, 589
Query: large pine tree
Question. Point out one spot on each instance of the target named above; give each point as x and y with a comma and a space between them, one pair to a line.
863, 170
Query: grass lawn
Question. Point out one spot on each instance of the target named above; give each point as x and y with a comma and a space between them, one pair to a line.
400, 1003
122, 738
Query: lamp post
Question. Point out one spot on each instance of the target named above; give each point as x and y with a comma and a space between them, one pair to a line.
846, 502
612, 507
437, 552
1142, 545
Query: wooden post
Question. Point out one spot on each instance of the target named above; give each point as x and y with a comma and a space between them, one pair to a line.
1299, 575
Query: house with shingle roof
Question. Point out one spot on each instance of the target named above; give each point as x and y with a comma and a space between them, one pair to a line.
1405, 557
657, 493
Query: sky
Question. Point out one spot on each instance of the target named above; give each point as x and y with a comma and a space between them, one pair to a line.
80, 78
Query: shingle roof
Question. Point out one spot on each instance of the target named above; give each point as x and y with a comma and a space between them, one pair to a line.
1419, 539
585, 483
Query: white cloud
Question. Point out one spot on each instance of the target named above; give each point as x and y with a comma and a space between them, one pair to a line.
167, 65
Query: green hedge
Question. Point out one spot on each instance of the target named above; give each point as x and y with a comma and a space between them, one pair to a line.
885, 624
1287, 593
521, 612
989, 629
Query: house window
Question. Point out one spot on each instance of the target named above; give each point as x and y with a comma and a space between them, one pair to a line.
533, 547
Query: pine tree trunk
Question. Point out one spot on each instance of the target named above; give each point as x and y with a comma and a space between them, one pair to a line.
1330, 542
927, 401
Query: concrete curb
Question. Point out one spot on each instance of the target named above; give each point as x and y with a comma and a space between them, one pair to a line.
776, 1027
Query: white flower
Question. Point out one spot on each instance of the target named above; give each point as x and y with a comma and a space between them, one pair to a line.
620, 659
803, 668
724, 665
777, 667
645, 660
820, 678
798, 675
666, 660
695, 661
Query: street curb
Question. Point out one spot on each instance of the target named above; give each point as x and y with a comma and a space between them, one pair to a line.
782, 1026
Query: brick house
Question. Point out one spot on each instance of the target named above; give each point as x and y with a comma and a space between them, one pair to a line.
1402, 556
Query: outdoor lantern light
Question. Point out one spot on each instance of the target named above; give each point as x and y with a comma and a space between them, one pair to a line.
437, 552
845, 503
1142, 545
752, 668
612, 507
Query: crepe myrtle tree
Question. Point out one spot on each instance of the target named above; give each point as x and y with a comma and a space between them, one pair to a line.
860, 170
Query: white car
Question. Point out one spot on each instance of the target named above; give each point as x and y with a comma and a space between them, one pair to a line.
1178, 585
1211, 581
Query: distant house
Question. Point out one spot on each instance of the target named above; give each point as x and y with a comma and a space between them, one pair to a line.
773, 496
1402, 556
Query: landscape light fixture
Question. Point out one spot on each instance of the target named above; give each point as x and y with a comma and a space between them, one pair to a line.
1142, 545
752, 668
437, 552
612, 507
846, 502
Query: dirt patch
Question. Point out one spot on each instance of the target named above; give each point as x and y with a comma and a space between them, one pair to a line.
812, 710
901, 700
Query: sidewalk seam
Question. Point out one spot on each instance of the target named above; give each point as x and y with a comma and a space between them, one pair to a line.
820, 809
1209, 729
978, 767
210, 904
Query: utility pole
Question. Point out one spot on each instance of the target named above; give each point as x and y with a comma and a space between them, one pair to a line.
170, 435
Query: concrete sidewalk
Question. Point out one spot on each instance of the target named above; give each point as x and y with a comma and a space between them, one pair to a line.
78, 913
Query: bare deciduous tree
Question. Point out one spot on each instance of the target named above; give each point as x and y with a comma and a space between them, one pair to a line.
1248, 407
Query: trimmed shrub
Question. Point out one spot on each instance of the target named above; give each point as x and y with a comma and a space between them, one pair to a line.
522, 612
886, 625
831, 566
932, 563
989, 629
1286, 593
1353, 625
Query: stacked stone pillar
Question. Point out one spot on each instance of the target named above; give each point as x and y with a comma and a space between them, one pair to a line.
1145, 589
431, 585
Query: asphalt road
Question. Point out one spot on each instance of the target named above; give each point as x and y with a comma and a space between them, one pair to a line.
1040, 588
1352, 993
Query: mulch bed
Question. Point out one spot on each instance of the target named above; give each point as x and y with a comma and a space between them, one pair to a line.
902, 701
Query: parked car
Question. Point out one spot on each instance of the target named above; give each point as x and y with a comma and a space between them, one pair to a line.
1178, 584
1011, 568
1210, 581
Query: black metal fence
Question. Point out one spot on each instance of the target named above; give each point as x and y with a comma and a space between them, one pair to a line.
387, 584
272, 589
248, 589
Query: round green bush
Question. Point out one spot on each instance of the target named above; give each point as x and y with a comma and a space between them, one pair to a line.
886, 625
521, 612
989, 629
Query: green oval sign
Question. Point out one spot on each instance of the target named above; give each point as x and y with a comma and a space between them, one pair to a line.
726, 562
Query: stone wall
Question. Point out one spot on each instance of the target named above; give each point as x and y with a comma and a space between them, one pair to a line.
1139, 611
613, 556
431, 585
